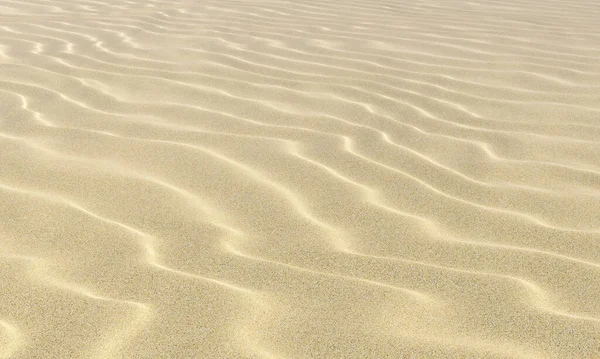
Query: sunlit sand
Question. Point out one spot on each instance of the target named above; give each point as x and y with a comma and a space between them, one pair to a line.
300, 179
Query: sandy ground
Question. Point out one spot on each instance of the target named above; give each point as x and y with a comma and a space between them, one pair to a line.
300, 179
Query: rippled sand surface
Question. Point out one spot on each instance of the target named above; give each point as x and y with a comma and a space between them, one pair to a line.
300, 179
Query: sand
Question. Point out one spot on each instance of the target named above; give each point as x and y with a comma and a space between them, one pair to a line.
300, 179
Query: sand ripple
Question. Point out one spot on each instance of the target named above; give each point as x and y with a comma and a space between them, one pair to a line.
278, 179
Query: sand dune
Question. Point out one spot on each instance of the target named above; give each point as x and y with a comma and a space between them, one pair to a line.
307, 179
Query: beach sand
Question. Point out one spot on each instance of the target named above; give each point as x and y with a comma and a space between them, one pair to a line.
300, 179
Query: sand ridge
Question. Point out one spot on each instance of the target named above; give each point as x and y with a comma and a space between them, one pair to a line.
299, 179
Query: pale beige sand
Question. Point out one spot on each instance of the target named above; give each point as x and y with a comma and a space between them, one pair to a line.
300, 179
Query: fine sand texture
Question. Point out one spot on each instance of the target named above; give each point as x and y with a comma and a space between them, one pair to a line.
299, 179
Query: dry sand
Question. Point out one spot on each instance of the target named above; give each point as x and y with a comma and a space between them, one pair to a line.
300, 179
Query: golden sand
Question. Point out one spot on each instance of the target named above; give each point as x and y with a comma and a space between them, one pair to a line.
300, 179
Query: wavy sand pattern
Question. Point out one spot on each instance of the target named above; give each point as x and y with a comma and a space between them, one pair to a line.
300, 179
